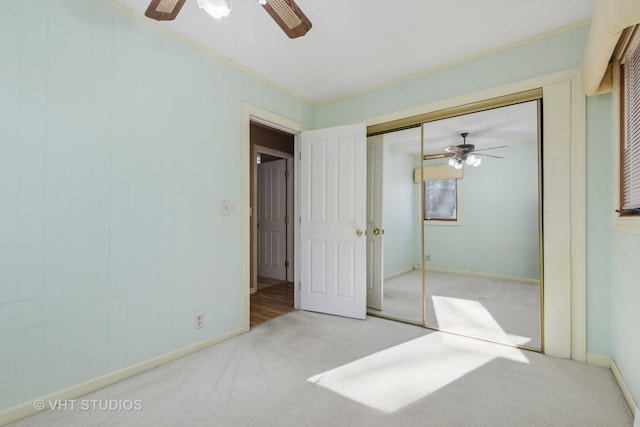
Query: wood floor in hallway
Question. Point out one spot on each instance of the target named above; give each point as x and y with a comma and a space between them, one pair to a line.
271, 302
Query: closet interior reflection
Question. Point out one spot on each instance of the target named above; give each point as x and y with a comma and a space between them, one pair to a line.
454, 233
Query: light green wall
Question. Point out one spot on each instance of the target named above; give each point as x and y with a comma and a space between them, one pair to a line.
613, 287
400, 211
545, 56
599, 217
498, 230
625, 316
118, 143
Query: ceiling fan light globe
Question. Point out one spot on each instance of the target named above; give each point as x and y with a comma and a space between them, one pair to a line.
452, 162
471, 160
217, 9
458, 165
477, 162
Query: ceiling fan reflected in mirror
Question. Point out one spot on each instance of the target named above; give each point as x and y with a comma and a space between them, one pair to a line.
462, 154
286, 13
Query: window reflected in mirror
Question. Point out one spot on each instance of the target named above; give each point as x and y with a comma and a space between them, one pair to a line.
441, 199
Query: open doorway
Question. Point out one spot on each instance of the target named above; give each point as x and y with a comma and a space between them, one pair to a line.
272, 238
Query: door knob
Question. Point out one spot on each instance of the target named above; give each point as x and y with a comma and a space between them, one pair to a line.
377, 231
359, 232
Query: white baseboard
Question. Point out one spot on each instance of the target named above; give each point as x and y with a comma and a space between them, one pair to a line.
625, 391
471, 273
608, 362
28, 408
599, 360
399, 273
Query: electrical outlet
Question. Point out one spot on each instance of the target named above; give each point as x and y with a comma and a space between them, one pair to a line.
199, 320
427, 257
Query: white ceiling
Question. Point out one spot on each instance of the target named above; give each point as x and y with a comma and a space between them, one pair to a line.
355, 45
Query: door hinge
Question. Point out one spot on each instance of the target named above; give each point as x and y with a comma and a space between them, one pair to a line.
286, 174
286, 219
286, 264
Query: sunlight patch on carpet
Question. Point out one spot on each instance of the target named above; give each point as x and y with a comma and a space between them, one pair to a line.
472, 318
396, 377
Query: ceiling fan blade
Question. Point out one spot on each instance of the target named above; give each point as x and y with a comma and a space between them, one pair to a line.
452, 149
289, 17
488, 155
437, 156
164, 10
490, 148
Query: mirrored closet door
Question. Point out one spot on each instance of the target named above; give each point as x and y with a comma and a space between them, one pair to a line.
458, 199
393, 226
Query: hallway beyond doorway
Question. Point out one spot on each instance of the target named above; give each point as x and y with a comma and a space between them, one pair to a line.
270, 301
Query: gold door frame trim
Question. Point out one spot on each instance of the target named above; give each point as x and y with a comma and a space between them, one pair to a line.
540, 228
460, 110
421, 192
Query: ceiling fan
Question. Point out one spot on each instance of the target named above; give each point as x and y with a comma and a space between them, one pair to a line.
463, 153
286, 13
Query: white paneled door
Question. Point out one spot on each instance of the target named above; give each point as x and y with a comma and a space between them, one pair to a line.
333, 221
272, 210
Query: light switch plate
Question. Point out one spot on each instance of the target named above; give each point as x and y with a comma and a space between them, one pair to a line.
226, 208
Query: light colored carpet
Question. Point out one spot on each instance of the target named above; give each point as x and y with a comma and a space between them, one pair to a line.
500, 310
309, 369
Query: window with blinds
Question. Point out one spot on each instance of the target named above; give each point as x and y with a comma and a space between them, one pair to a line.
630, 144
